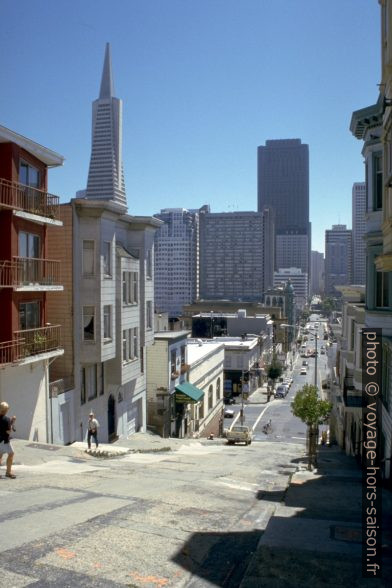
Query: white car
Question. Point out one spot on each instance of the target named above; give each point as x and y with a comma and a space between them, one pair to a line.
303, 371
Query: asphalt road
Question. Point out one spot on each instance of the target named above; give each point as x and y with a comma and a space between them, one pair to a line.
286, 427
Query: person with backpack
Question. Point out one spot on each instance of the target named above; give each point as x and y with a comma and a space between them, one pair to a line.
6, 428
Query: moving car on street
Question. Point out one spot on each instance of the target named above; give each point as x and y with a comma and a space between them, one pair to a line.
228, 413
239, 434
303, 371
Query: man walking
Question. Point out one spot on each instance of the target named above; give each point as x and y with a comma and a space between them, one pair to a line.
93, 425
6, 428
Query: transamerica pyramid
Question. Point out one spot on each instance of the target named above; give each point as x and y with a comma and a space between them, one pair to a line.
106, 176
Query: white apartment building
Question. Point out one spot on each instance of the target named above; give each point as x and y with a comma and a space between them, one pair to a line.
299, 281
359, 230
184, 385
111, 280
176, 260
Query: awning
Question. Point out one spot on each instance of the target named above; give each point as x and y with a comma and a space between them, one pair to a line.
186, 393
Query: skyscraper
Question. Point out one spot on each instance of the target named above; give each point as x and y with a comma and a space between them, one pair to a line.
338, 258
359, 229
283, 184
176, 260
106, 176
235, 255
317, 272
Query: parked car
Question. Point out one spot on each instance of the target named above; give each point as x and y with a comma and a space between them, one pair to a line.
228, 413
303, 371
281, 391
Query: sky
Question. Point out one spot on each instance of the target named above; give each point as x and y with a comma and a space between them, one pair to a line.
203, 84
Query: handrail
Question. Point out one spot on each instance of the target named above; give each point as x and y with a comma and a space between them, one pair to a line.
26, 198
30, 270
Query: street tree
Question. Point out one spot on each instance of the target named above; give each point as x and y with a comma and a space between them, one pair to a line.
313, 412
274, 370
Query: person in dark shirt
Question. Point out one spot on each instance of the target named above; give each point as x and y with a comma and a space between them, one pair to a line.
6, 428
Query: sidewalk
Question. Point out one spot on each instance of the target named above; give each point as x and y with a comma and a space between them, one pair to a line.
314, 536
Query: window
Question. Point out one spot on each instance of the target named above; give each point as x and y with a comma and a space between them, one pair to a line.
89, 382
130, 287
173, 361
183, 347
130, 344
107, 258
382, 289
210, 397
107, 322
82, 387
88, 258
201, 410
141, 360
149, 314
88, 323
29, 315
29, 245
101, 376
29, 175
149, 263
218, 386
377, 185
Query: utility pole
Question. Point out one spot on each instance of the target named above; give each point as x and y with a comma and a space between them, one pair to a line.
242, 397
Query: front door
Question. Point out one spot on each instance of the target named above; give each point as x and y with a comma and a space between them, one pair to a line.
111, 418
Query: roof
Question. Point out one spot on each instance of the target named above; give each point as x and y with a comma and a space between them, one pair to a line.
47, 156
365, 118
187, 392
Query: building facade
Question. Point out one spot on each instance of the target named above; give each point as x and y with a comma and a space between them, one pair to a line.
176, 280
233, 249
338, 258
359, 229
317, 273
28, 275
111, 277
299, 281
283, 185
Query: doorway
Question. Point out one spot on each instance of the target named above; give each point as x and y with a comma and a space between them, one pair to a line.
111, 418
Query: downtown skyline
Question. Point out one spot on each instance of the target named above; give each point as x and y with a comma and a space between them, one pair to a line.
202, 89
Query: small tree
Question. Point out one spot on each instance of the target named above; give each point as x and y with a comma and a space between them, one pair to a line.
313, 412
274, 370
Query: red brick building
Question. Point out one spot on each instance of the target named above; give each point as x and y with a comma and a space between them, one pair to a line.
28, 343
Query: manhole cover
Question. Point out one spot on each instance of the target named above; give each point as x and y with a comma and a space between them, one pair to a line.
350, 534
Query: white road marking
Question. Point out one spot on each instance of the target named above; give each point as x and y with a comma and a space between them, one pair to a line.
302, 438
258, 418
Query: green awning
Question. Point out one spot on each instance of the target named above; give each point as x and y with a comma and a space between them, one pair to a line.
186, 393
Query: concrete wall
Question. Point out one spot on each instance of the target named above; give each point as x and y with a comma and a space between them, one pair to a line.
25, 387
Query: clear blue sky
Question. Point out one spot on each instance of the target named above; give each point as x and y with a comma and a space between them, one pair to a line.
203, 83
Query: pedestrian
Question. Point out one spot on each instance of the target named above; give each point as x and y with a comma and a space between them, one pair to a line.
6, 428
93, 426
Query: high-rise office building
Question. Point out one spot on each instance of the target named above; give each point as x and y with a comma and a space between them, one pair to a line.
338, 258
283, 185
176, 259
359, 229
299, 281
317, 272
235, 255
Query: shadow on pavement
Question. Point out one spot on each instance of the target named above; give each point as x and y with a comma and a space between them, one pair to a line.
313, 539
220, 559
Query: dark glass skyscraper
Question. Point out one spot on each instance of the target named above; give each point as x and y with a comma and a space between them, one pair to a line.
283, 185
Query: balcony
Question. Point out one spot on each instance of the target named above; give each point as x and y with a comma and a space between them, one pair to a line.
30, 343
26, 199
28, 273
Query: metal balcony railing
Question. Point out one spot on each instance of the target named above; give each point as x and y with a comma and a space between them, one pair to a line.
40, 340
23, 271
20, 197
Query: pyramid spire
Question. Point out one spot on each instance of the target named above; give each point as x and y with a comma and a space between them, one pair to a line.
107, 89
105, 176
